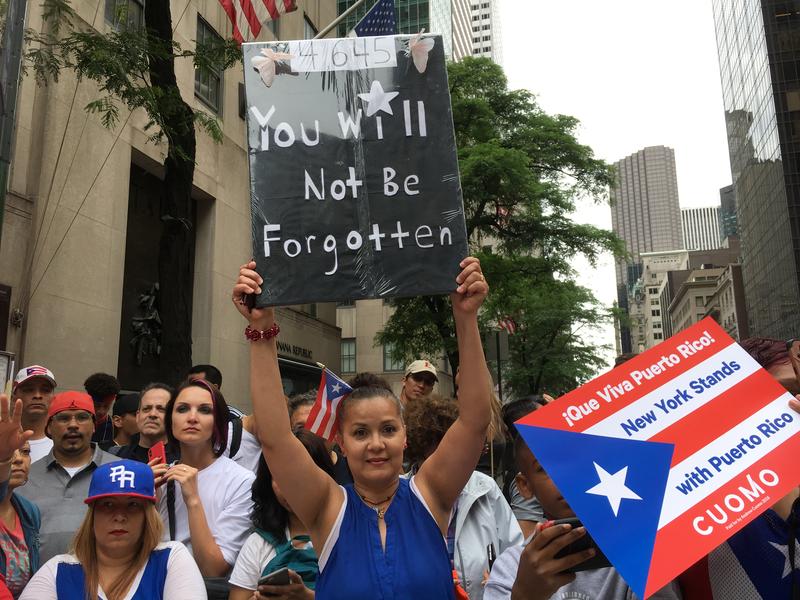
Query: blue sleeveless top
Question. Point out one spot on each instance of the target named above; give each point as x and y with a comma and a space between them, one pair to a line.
70, 582
414, 565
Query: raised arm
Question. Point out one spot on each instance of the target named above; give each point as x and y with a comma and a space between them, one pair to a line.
445, 473
313, 495
12, 438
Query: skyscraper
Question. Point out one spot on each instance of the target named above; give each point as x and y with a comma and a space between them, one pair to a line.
467, 27
645, 213
412, 15
761, 93
700, 228
486, 29
728, 221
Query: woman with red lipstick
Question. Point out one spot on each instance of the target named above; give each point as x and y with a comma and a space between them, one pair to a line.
206, 502
382, 536
116, 554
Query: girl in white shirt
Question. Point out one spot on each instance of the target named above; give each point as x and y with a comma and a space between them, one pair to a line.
280, 538
206, 501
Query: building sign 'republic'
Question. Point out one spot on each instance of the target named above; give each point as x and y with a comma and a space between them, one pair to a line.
355, 190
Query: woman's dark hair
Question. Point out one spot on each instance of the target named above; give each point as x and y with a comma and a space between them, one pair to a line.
515, 410
219, 435
427, 420
268, 514
368, 385
766, 351
360, 380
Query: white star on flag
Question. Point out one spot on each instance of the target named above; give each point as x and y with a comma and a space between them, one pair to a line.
378, 99
336, 387
613, 487
784, 549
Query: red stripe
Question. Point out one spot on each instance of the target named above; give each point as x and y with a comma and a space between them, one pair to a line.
678, 544
550, 415
252, 17
289, 6
271, 8
227, 6
312, 415
699, 428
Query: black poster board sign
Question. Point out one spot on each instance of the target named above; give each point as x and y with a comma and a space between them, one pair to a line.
355, 191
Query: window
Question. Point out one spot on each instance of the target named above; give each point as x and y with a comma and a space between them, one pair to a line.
658, 336
390, 364
655, 313
208, 80
125, 14
348, 355
309, 31
652, 291
699, 301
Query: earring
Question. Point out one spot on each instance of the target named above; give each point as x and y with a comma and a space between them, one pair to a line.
405, 445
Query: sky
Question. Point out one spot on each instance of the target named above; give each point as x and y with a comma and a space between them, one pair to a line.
635, 73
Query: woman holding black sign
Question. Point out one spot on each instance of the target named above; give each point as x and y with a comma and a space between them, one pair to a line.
382, 536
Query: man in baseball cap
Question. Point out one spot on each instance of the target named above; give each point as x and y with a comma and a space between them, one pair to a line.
419, 380
123, 416
60, 481
34, 385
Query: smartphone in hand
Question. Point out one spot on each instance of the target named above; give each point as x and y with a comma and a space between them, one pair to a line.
157, 451
279, 577
598, 561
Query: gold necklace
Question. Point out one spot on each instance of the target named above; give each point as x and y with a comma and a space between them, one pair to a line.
376, 506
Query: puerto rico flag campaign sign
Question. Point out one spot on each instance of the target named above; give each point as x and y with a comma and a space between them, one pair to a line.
671, 453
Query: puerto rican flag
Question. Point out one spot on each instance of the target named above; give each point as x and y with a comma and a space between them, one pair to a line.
248, 16
324, 416
670, 454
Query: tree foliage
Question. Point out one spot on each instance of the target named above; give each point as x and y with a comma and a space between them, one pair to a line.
522, 173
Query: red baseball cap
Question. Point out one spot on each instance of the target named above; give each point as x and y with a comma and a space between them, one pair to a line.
70, 401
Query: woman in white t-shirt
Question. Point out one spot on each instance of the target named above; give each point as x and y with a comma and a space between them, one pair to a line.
116, 554
280, 538
206, 502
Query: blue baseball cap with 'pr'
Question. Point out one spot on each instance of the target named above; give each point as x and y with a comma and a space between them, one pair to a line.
122, 478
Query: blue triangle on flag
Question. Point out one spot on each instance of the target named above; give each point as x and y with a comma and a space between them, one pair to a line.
627, 539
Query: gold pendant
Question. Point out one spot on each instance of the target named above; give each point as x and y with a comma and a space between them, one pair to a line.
380, 512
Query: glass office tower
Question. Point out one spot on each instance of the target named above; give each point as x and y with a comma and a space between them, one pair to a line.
411, 15
759, 54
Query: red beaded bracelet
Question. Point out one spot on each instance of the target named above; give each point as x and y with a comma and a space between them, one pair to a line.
254, 334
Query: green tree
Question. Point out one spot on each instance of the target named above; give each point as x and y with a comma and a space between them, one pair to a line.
134, 66
522, 172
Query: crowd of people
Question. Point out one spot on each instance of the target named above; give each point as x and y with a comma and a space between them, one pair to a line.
172, 493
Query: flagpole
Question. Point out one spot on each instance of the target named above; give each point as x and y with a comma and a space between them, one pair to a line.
339, 19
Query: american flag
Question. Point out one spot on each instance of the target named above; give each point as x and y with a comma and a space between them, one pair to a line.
380, 20
248, 16
324, 416
508, 324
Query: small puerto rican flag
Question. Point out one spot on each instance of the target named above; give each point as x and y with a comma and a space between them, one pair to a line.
323, 419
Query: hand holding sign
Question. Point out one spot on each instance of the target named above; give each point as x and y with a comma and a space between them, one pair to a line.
248, 283
472, 288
